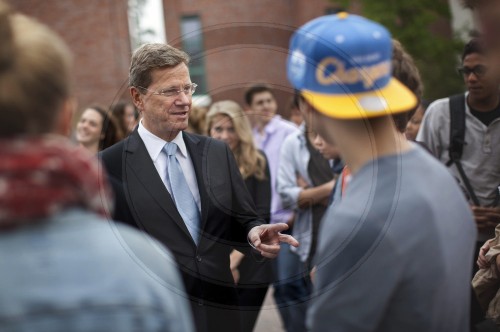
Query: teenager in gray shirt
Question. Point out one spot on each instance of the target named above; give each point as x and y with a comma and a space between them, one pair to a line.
481, 152
394, 253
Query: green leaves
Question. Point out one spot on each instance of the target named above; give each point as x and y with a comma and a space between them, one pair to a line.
424, 29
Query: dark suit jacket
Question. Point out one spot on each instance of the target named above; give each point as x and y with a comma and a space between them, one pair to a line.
226, 208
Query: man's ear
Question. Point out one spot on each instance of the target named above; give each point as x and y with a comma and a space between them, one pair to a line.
304, 106
137, 98
307, 112
63, 122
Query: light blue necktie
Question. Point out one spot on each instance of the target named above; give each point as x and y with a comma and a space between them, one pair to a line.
182, 196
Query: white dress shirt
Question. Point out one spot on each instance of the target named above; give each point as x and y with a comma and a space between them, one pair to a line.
155, 145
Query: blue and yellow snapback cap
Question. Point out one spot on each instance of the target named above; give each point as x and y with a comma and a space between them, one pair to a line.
342, 66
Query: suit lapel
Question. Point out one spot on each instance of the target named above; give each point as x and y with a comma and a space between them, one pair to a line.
138, 161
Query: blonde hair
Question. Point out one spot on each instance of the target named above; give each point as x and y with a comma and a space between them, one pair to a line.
34, 75
250, 161
197, 120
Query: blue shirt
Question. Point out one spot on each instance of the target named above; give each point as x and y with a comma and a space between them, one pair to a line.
294, 160
80, 272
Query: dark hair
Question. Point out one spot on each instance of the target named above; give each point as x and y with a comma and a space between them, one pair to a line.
405, 71
475, 45
110, 128
295, 100
425, 104
255, 89
471, 4
118, 112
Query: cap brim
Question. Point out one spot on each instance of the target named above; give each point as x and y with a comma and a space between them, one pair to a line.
393, 98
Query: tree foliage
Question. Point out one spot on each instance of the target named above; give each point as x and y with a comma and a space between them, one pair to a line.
416, 25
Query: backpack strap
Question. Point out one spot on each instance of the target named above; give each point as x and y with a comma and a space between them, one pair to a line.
457, 127
457, 140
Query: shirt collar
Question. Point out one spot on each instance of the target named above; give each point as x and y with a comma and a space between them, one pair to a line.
272, 125
302, 136
155, 145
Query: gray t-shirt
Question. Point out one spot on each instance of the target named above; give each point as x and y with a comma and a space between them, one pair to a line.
395, 253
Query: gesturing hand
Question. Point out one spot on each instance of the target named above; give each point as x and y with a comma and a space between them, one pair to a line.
266, 239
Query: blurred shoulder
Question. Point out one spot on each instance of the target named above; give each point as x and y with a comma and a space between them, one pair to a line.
285, 125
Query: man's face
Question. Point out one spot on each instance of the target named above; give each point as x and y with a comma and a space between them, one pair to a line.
165, 116
479, 77
264, 106
328, 151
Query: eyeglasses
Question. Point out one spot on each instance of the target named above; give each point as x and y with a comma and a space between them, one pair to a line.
188, 89
478, 70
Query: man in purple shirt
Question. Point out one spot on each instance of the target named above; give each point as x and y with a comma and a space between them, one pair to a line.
270, 131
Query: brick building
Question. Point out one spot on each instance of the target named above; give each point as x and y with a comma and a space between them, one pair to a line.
233, 43
236, 43
97, 33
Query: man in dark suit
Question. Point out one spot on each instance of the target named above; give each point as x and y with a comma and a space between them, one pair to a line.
185, 189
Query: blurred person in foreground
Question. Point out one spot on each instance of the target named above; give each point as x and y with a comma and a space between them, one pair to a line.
227, 121
184, 189
404, 70
63, 266
391, 253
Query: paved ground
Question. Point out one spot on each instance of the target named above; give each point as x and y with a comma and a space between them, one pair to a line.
269, 319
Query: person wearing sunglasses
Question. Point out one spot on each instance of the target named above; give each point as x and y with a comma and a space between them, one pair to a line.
64, 266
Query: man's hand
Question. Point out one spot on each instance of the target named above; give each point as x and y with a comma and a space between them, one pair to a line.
235, 258
486, 217
482, 262
266, 239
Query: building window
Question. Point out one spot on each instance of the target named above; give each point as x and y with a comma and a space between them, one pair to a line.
192, 43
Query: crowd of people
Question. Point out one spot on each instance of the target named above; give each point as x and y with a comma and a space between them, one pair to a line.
370, 209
